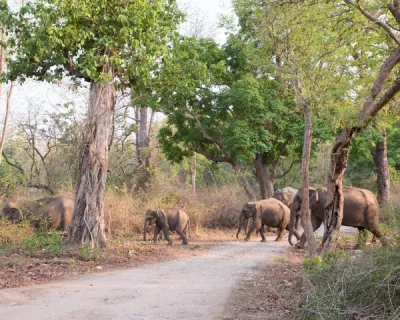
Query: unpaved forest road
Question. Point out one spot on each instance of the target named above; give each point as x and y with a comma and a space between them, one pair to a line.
188, 288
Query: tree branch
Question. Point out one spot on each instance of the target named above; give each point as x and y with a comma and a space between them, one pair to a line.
14, 165
216, 158
288, 170
375, 20
203, 131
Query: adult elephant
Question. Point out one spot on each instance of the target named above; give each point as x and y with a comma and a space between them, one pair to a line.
167, 220
55, 212
269, 212
361, 210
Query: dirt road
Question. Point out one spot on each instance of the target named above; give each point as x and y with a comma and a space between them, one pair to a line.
188, 288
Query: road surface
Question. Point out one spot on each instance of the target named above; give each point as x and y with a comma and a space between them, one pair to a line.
187, 288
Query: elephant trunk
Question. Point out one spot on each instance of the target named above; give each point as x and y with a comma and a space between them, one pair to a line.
293, 221
240, 224
146, 223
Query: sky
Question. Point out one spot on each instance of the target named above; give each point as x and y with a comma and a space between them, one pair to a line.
202, 14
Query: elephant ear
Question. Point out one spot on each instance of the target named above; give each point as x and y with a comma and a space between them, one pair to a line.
313, 194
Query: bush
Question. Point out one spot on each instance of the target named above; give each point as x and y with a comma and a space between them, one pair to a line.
13, 233
41, 240
366, 286
86, 253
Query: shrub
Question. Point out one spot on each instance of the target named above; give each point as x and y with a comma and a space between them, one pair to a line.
13, 233
366, 286
44, 240
86, 253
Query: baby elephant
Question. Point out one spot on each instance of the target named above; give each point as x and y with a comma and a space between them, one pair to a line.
270, 212
167, 220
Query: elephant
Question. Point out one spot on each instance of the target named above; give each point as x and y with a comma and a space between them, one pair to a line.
286, 195
55, 210
361, 210
167, 220
269, 212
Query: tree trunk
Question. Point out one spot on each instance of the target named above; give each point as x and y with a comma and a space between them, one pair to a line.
382, 169
334, 203
142, 136
7, 115
305, 207
193, 173
244, 183
261, 176
265, 177
87, 226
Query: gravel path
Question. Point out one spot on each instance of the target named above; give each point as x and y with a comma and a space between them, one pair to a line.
187, 288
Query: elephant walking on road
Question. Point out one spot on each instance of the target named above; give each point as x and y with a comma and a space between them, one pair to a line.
361, 210
56, 212
167, 220
269, 212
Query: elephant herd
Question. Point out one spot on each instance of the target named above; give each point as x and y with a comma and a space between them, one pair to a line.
361, 210
281, 212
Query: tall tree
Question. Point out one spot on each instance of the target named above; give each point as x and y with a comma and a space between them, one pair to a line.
110, 44
382, 92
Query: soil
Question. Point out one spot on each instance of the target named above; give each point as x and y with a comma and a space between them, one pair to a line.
188, 287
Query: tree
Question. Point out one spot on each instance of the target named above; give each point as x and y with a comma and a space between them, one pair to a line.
382, 93
111, 45
220, 107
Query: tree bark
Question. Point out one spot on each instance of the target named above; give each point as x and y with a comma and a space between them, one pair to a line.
87, 226
305, 207
261, 176
266, 179
7, 115
142, 136
382, 169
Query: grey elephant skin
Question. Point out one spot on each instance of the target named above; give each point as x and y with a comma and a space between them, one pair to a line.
285, 195
361, 210
269, 212
55, 211
167, 220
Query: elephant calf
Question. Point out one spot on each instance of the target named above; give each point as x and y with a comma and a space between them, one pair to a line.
269, 212
57, 211
167, 220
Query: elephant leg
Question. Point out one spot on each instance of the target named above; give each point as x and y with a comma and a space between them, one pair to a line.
280, 232
182, 234
157, 230
262, 231
316, 223
256, 225
165, 230
378, 234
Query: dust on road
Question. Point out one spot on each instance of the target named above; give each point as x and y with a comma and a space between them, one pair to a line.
187, 288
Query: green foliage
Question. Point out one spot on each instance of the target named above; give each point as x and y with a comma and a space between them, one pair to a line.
86, 253
44, 240
354, 287
13, 233
52, 39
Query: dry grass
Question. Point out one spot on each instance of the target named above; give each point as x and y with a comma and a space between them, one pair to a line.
209, 209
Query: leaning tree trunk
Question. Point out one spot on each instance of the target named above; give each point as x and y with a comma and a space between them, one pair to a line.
87, 226
335, 201
382, 170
